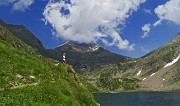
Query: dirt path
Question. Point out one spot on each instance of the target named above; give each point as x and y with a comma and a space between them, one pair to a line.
25, 85
21, 86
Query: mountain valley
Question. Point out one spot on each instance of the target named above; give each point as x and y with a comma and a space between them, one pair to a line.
106, 71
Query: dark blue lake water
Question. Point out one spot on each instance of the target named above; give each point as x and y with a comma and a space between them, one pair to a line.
138, 99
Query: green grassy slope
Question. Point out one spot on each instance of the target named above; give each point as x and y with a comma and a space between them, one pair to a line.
30, 79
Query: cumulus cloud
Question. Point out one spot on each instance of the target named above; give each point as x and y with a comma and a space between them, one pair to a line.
91, 21
146, 29
169, 11
17, 5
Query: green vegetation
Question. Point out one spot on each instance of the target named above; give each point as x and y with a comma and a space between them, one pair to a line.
89, 84
27, 78
106, 81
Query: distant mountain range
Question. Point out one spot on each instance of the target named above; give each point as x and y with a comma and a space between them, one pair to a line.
84, 57
87, 57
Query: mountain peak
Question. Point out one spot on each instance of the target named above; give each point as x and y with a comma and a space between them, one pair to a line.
69, 43
82, 48
87, 57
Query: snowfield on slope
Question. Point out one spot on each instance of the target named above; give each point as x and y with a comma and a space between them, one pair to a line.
171, 63
138, 73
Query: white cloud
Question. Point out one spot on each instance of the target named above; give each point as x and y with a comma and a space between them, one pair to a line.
21, 5
6, 2
157, 23
147, 11
169, 11
91, 21
17, 5
146, 29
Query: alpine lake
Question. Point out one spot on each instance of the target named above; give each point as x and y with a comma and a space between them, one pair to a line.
138, 99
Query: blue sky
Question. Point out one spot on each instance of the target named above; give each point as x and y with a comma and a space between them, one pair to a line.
132, 27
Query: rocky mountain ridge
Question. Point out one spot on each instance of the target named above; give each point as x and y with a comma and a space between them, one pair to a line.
82, 48
84, 57
87, 57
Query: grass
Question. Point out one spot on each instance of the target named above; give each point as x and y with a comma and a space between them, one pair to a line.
54, 86
88, 83
108, 83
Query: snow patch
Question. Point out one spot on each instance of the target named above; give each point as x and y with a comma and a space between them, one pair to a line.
152, 74
77, 49
171, 63
139, 73
94, 48
63, 44
144, 79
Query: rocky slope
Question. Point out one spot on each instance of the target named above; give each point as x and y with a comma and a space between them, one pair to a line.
158, 70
